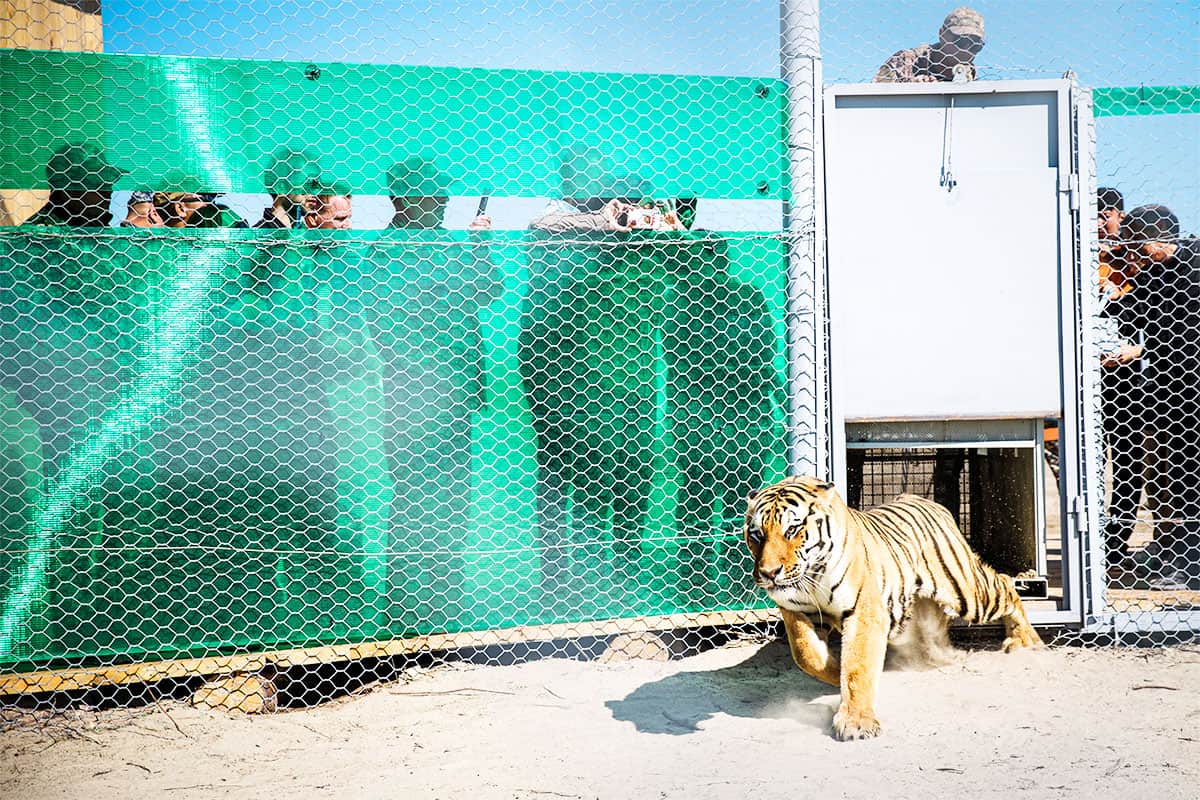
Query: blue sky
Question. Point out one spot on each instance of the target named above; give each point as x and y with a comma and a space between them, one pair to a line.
1026, 38
1105, 42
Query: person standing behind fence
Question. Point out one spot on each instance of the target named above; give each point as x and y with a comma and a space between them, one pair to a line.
1122, 402
286, 173
330, 211
434, 286
1166, 273
959, 41
722, 390
951, 58
422, 211
589, 323
552, 268
81, 182
195, 210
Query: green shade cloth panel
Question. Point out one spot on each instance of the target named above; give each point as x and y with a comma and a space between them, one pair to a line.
219, 125
1133, 101
221, 441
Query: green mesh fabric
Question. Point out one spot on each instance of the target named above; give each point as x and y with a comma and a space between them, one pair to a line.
215, 124
230, 440
1136, 101
219, 441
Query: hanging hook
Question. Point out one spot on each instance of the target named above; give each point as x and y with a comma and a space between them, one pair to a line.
947, 176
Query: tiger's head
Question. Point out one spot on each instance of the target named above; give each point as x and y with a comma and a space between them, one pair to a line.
789, 530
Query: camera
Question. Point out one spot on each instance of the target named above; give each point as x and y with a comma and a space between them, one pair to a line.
645, 216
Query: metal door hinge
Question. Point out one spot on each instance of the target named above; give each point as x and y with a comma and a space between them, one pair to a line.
1078, 518
1069, 185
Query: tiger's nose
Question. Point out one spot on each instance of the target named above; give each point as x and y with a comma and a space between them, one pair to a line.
771, 573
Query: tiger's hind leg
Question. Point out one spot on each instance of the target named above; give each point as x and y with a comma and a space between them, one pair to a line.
1018, 632
1006, 606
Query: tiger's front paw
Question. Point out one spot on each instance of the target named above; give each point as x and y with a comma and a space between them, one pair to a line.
850, 725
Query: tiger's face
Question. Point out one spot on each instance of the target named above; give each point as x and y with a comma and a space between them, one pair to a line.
787, 530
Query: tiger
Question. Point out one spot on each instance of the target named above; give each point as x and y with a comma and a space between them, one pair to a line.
868, 575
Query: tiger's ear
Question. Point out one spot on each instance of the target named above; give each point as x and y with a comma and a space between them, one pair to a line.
825, 493
753, 493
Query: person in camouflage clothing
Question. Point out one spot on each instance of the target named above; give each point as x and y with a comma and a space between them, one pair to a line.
959, 41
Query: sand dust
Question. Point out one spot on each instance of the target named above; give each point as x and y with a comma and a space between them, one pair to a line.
735, 722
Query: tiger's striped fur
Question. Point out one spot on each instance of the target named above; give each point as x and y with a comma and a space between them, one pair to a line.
866, 574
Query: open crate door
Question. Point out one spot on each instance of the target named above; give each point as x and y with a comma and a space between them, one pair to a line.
954, 259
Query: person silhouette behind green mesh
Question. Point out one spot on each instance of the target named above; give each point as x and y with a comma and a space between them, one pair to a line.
419, 195
431, 344
587, 353
722, 392
21, 475
287, 176
81, 184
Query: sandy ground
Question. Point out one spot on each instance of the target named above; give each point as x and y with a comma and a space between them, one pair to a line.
735, 722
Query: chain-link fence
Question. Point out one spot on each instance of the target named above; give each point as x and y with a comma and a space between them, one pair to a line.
354, 332
383, 358
1147, 332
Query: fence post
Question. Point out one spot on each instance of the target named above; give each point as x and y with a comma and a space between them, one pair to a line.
808, 396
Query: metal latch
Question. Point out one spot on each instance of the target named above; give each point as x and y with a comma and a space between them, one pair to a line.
1033, 587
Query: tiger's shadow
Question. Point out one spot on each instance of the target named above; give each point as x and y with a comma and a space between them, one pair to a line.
767, 685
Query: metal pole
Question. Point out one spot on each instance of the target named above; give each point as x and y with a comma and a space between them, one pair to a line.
808, 401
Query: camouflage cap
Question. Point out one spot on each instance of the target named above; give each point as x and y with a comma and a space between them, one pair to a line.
962, 22
162, 198
76, 167
140, 197
417, 177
